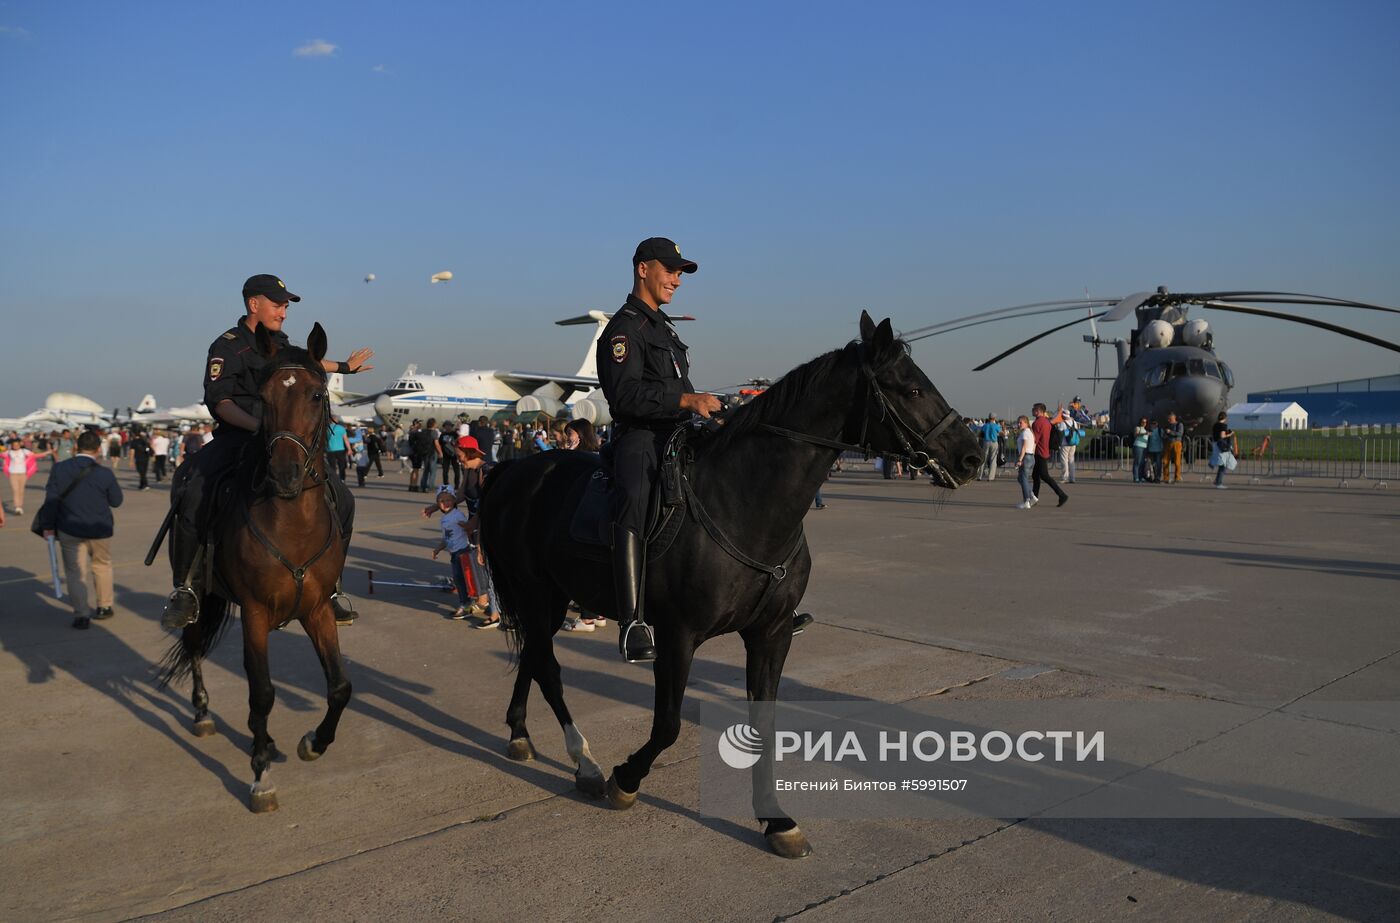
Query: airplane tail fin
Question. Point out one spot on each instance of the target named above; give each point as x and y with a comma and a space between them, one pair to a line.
589, 368
148, 403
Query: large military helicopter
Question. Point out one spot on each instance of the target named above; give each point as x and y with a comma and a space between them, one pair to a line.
1168, 364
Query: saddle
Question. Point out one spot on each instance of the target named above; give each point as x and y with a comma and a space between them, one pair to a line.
591, 524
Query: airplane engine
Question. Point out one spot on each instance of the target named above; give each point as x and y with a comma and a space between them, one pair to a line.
594, 410
1157, 334
1196, 332
534, 403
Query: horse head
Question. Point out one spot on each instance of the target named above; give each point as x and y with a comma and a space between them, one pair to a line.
296, 409
904, 414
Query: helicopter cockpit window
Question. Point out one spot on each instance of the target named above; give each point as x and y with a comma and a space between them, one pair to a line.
1178, 369
1197, 366
1211, 370
1157, 375
1228, 375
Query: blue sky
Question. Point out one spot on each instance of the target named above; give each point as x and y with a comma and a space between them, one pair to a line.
922, 160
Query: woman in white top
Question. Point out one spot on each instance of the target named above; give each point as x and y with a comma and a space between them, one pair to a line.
18, 465
1025, 462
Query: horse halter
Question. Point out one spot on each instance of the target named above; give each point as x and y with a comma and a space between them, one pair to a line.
907, 435
317, 437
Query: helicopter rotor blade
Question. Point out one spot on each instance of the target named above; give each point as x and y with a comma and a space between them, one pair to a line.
991, 320
1297, 319
1024, 343
1069, 304
1289, 298
1127, 306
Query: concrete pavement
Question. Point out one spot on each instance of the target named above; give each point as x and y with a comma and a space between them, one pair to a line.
1275, 598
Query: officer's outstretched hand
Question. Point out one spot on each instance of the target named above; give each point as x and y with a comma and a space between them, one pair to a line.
703, 404
358, 359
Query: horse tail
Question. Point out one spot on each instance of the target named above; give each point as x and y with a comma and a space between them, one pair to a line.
213, 622
505, 588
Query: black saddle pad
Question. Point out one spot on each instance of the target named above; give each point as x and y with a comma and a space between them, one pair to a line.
592, 520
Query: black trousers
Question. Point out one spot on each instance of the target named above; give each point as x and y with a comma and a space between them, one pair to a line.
634, 454
374, 460
142, 463
1041, 473
160, 468
451, 466
338, 460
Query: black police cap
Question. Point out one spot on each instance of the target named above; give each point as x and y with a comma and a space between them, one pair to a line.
269, 286
664, 251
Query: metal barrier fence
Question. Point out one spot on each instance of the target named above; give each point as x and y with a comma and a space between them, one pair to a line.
1310, 455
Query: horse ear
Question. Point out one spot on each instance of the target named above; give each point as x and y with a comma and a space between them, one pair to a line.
884, 338
267, 346
316, 342
867, 326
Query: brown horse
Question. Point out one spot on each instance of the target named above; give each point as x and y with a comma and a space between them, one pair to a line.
279, 552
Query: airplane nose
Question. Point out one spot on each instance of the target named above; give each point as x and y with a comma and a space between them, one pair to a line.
384, 406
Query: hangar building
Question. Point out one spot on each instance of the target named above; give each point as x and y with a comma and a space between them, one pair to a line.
1358, 402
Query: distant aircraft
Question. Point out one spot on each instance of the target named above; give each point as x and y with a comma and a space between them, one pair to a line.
481, 392
147, 413
441, 277
369, 278
61, 410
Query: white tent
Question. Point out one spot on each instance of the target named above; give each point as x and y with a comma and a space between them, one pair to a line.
1273, 416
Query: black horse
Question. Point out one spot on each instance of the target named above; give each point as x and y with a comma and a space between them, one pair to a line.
739, 563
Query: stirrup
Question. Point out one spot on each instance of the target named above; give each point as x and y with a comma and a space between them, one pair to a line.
343, 607
181, 609
643, 649
801, 620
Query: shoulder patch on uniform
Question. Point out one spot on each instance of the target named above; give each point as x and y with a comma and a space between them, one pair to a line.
628, 311
216, 368
619, 348
230, 335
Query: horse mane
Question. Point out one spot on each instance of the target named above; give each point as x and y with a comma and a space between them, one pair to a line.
793, 390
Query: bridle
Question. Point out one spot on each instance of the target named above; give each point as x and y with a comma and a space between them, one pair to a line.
883, 410
318, 438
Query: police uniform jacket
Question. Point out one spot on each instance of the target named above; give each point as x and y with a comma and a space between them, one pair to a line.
643, 367
232, 373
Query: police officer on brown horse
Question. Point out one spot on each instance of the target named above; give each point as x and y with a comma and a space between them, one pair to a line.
231, 394
644, 370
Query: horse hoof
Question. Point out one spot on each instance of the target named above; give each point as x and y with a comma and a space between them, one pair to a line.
617, 798
790, 844
204, 727
592, 786
521, 750
305, 747
263, 802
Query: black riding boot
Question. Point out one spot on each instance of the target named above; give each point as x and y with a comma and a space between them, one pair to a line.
634, 640
344, 609
182, 606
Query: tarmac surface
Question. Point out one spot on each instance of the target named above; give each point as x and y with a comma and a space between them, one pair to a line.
1274, 599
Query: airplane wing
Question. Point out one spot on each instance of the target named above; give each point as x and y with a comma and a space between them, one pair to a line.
525, 382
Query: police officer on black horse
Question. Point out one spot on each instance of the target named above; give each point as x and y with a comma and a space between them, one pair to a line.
644, 370
230, 393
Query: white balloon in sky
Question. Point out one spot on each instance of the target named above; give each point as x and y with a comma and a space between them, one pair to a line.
369, 278
441, 277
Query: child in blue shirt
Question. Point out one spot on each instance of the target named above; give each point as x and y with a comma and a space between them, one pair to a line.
455, 538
